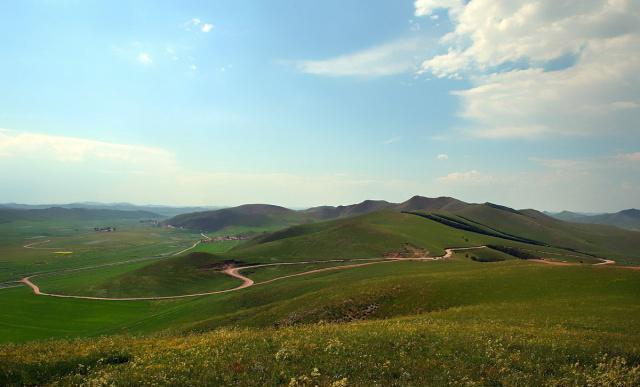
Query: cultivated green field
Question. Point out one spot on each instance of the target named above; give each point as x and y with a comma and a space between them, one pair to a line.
75, 244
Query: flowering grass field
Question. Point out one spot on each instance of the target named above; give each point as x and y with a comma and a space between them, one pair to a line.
441, 348
460, 322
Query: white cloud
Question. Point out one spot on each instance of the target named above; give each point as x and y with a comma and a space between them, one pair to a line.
104, 171
427, 7
466, 177
77, 150
635, 156
387, 59
443, 156
193, 67
107, 171
596, 92
392, 140
172, 53
199, 24
497, 132
585, 184
144, 58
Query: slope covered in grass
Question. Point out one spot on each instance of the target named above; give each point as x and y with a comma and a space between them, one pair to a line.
367, 236
253, 216
604, 241
387, 233
410, 323
191, 273
259, 217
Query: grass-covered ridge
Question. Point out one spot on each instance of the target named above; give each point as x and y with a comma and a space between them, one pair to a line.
387, 232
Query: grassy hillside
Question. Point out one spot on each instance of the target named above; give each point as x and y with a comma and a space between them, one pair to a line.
604, 241
408, 323
481, 318
262, 217
251, 216
365, 207
442, 203
81, 245
192, 273
367, 236
389, 232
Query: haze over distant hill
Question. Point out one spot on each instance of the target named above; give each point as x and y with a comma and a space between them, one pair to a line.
167, 211
59, 213
629, 219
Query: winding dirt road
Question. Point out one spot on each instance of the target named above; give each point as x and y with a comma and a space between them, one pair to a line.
234, 271
248, 282
31, 245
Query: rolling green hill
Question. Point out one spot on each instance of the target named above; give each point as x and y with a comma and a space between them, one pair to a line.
502, 323
365, 207
386, 232
256, 216
192, 273
376, 235
601, 240
268, 217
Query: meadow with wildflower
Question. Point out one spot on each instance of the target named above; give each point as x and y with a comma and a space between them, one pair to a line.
405, 323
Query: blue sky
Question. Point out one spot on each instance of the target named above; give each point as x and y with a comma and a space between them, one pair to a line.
302, 103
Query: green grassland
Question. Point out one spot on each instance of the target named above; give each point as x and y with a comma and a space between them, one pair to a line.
131, 240
378, 234
170, 277
216, 247
484, 255
435, 321
492, 320
606, 241
267, 273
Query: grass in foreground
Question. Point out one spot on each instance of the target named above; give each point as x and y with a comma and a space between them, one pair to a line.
424, 350
411, 323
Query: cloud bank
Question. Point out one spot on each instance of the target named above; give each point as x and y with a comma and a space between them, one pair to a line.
542, 68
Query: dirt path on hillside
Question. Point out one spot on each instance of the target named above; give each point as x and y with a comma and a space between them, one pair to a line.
605, 262
188, 248
31, 245
246, 281
230, 271
234, 271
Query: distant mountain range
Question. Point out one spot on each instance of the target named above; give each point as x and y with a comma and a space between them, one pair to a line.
165, 211
59, 213
256, 216
270, 216
629, 219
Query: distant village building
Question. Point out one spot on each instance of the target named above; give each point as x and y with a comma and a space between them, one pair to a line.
222, 238
104, 229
